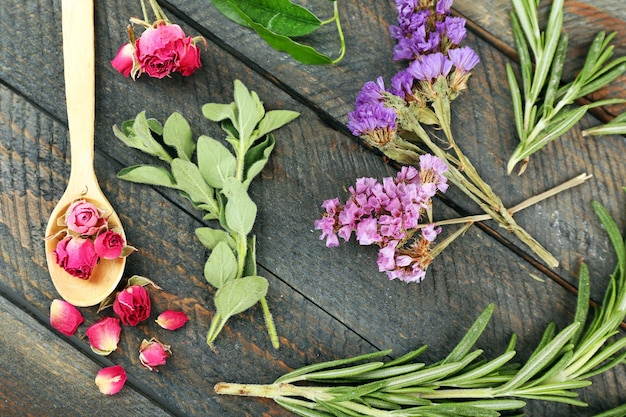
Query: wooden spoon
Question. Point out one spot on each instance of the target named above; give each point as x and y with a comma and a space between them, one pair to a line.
78, 60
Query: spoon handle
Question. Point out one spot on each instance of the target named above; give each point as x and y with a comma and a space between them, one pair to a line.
78, 61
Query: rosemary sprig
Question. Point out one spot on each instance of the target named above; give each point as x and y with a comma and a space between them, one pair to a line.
542, 106
463, 384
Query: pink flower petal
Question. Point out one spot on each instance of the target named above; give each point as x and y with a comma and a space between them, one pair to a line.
172, 320
65, 317
104, 335
111, 380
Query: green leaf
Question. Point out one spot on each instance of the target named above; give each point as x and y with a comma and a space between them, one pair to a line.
227, 10
249, 267
256, 158
240, 210
177, 134
302, 53
279, 16
216, 112
142, 131
248, 114
147, 174
239, 295
215, 161
472, 335
190, 181
221, 267
210, 237
273, 120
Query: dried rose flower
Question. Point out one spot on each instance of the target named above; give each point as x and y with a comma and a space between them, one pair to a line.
132, 305
125, 61
84, 218
153, 353
111, 380
65, 317
109, 245
172, 320
104, 335
76, 255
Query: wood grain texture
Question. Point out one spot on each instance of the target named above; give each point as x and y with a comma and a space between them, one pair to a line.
327, 303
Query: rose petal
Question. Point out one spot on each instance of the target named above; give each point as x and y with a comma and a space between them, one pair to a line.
111, 380
65, 317
104, 335
172, 320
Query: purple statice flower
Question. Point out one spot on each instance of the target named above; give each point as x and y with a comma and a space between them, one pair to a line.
371, 93
443, 7
374, 121
430, 67
463, 59
455, 29
402, 84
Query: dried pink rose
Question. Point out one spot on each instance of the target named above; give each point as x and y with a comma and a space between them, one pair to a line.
160, 50
109, 245
111, 380
132, 305
153, 353
172, 320
77, 256
104, 335
84, 218
125, 61
65, 317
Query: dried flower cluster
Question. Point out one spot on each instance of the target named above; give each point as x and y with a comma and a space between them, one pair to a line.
389, 214
88, 238
131, 306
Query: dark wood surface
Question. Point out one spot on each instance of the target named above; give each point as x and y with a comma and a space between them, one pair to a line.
327, 303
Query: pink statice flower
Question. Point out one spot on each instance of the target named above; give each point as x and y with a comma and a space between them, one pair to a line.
104, 335
65, 317
390, 214
110, 380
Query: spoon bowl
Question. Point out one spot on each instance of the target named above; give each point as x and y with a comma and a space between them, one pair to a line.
79, 71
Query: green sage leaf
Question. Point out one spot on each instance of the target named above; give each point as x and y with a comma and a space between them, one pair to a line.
239, 295
256, 158
240, 211
215, 161
249, 112
190, 181
273, 120
142, 131
177, 134
210, 237
302, 53
147, 174
216, 112
221, 267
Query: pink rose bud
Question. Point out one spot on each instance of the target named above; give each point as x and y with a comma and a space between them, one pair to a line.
153, 353
190, 61
84, 218
125, 61
132, 305
77, 256
160, 50
109, 245
172, 320
104, 335
111, 380
65, 317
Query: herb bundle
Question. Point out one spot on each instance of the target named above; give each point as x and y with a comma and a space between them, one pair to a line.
280, 22
542, 106
464, 384
217, 183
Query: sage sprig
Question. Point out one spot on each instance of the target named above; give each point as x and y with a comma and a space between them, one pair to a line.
280, 22
543, 106
463, 383
217, 184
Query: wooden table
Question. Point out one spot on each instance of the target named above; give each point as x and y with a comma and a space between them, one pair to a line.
327, 303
